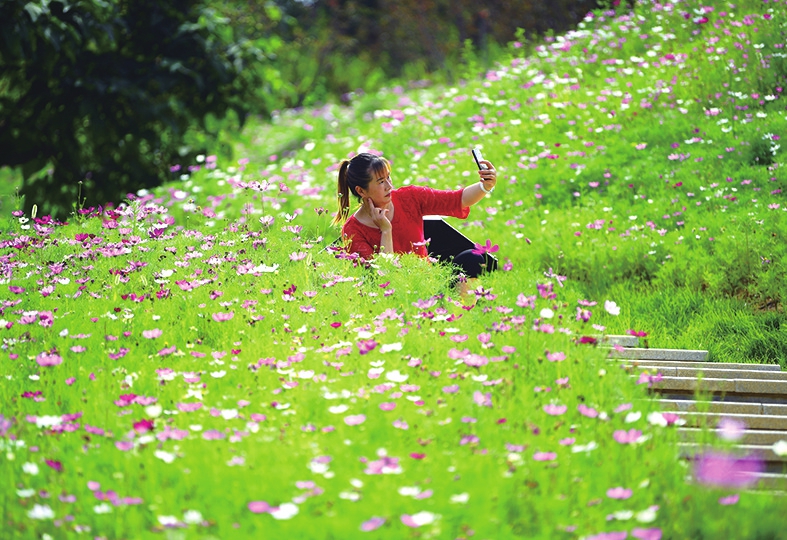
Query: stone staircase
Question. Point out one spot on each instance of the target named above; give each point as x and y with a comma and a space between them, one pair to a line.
704, 393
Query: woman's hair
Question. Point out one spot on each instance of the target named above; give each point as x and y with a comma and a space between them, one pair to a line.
354, 173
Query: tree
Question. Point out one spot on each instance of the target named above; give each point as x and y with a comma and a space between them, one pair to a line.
105, 92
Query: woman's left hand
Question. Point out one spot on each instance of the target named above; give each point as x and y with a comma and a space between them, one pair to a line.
488, 175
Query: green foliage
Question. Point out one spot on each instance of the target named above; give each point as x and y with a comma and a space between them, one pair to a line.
105, 93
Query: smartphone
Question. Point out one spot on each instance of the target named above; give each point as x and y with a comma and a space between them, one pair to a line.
478, 158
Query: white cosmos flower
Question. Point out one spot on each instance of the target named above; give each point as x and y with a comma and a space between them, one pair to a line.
657, 419
350, 495
611, 307
647, 516
391, 347
48, 421
102, 508
780, 448
633, 417
154, 411
285, 511
166, 457
41, 511
460, 498
30, 468
547, 313
338, 409
192, 517
577, 448
229, 414
396, 376
423, 518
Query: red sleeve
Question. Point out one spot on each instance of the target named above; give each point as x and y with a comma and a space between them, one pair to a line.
439, 202
358, 240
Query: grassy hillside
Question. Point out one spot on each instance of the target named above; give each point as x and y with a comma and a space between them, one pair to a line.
196, 363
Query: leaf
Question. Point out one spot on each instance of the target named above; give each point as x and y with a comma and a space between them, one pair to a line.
34, 10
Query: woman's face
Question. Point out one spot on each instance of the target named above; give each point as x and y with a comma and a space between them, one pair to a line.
379, 188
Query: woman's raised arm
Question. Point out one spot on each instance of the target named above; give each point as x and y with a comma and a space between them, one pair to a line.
475, 192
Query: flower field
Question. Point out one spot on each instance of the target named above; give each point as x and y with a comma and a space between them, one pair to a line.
203, 362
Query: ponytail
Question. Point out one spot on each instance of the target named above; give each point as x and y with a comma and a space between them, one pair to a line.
343, 193
364, 166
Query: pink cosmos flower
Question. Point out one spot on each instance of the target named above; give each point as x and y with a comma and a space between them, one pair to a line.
260, 507
584, 410
627, 437
556, 357
124, 446
476, 360
46, 359
646, 534
221, 317
189, 407
354, 420
388, 406
729, 500
614, 535
727, 470
366, 346
468, 439
619, 493
545, 456
401, 424
213, 435
481, 249
384, 465
372, 524
623, 407
151, 334
554, 409
484, 400
730, 429
670, 418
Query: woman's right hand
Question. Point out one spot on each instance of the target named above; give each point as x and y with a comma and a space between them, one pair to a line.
379, 216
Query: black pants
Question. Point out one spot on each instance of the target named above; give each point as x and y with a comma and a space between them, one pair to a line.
470, 264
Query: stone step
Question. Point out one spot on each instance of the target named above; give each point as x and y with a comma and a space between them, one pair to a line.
748, 436
772, 481
773, 463
649, 364
708, 372
724, 407
751, 421
724, 389
617, 339
638, 353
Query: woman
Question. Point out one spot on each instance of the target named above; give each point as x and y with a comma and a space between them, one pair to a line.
391, 220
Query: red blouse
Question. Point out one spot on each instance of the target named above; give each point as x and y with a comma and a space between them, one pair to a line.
411, 204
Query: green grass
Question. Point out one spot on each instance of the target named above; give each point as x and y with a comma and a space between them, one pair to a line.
214, 354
